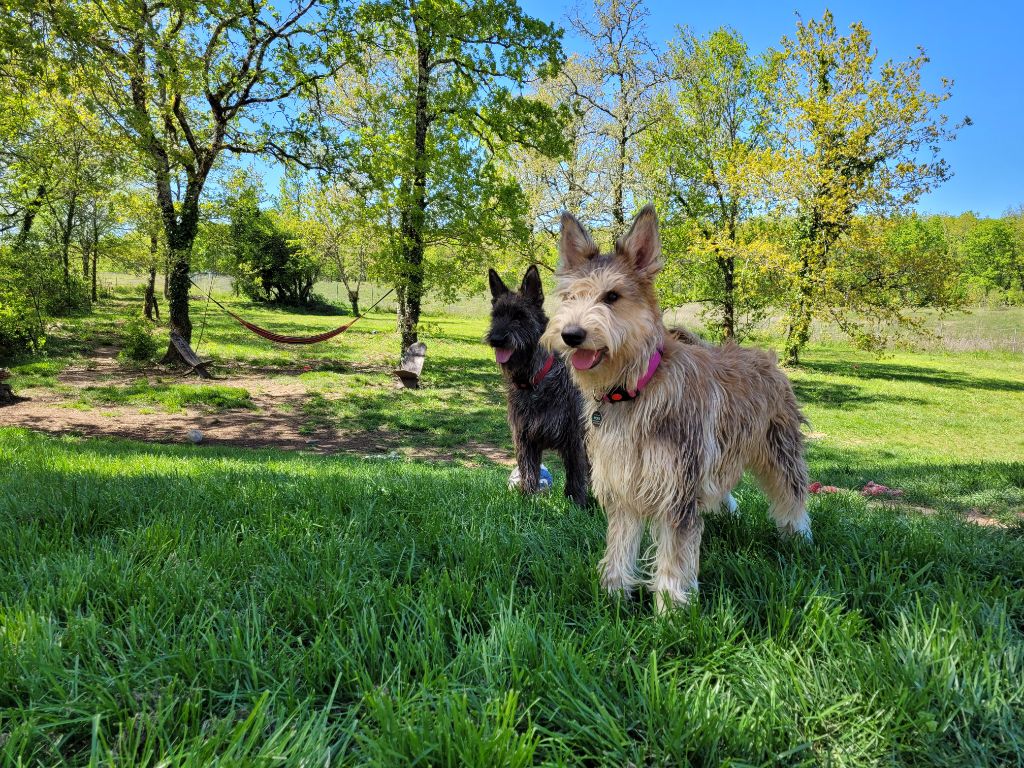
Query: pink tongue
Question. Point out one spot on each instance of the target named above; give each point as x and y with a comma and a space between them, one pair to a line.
584, 359
502, 355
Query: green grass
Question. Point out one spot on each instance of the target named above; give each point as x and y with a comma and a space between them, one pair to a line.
170, 397
180, 606
36, 373
195, 605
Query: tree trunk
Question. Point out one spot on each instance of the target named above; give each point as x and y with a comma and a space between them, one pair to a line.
619, 203
181, 234
413, 218
799, 331
177, 299
152, 309
30, 216
95, 258
353, 299
727, 265
65, 243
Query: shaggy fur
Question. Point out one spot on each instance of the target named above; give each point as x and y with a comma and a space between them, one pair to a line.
546, 415
675, 452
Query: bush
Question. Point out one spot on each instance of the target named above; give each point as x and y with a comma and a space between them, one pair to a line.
268, 266
137, 342
19, 326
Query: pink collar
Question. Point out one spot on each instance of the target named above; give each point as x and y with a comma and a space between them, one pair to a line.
621, 394
539, 376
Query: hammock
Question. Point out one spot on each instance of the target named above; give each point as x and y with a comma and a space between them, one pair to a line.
280, 339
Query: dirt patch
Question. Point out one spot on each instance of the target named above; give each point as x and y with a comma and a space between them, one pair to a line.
276, 420
975, 516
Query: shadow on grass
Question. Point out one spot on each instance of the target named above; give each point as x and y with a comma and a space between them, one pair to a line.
911, 373
432, 419
994, 487
453, 370
828, 394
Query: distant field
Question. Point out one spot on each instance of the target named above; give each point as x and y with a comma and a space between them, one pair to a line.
978, 329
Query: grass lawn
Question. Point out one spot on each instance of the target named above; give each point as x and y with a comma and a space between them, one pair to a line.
197, 605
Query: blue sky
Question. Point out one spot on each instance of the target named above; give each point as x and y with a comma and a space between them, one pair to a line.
976, 44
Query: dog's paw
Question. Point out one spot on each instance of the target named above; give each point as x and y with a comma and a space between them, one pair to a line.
797, 530
673, 593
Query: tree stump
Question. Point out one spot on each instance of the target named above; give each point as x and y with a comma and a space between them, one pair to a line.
412, 365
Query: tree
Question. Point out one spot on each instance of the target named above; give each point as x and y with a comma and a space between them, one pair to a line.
268, 266
706, 154
184, 82
992, 255
621, 75
429, 126
855, 136
339, 233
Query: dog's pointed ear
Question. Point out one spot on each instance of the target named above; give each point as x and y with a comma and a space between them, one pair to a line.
575, 246
641, 246
531, 289
498, 288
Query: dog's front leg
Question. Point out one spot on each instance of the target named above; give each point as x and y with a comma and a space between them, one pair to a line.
528, 456
677, 562
618, 566
577, 473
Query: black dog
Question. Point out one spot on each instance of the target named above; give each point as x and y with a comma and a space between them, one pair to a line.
544, 407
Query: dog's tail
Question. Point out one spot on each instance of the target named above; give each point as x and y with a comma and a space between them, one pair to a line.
688, 337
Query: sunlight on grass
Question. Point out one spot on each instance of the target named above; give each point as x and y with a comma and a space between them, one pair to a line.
171, 397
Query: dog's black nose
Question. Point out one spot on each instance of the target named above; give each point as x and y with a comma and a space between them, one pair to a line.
573, 335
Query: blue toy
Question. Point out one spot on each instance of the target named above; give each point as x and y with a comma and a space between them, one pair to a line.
544, 482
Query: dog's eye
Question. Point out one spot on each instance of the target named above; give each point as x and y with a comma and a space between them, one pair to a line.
610, 298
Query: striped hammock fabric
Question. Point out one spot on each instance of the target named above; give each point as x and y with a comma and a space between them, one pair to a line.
279, 339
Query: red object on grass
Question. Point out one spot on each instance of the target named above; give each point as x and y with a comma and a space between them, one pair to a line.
877, 489
817, 487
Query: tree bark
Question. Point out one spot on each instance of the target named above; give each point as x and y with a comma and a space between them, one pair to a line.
177, 300
95, 258
728, 267
619, 203
799, 331
31, 210
353, 299
152, 309
65, 243
413, 218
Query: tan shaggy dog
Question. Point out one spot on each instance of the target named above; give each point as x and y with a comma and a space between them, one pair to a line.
667, 438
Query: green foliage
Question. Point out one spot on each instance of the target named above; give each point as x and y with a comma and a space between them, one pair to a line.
268, 265
705, 154
991, 253
22, 327
137, 341
428, 125
854, 135
19, 326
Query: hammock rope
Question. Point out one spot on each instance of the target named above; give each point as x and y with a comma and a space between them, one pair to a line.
278, 338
